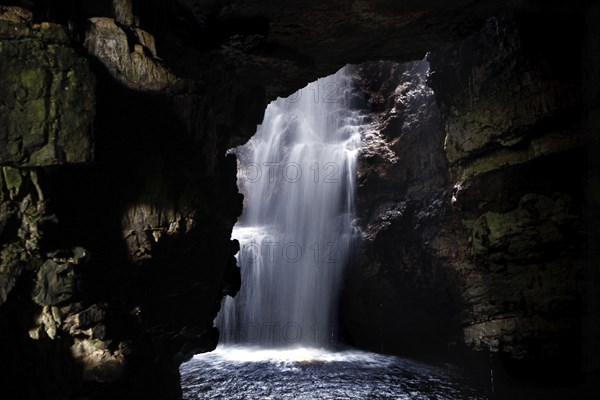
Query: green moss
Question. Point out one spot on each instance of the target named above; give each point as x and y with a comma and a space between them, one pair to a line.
43, 76
2, 195
44, 156
33, 118
34, 81
549, 143
13, 180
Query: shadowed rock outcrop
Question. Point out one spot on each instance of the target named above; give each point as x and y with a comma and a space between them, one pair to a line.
473, 217
117, 200
400, 295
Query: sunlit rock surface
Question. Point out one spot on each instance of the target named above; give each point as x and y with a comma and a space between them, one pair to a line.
129, 54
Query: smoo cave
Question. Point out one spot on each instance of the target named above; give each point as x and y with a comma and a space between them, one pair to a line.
299, 200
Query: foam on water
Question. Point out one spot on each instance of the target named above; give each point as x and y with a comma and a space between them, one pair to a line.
257, 354
254, 372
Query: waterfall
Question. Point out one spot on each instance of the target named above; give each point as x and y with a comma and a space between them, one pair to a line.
297, 174
278, 334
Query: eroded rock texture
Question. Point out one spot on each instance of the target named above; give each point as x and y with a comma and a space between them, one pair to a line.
402, 203
47, 89
117, 200
112, 272
129, 54
473, 217
517, 183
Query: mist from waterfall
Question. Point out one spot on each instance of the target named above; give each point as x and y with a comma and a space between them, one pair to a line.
279, 334
297, 174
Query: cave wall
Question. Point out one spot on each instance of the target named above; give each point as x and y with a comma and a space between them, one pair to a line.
117, 200
117, 205
492, 256
400, 278
514, 141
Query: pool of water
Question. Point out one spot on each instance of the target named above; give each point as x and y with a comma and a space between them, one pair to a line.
236, 372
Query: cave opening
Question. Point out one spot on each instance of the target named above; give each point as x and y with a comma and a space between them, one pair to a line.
297, 174
302, 173
464, 235
451, 252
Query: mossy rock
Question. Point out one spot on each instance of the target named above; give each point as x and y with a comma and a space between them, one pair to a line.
12, 180
47, 100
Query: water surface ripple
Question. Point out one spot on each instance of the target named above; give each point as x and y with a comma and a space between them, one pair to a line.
236, 372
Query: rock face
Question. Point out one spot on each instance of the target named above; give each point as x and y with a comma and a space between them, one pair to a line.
403, 197
514, 143
473, 216
129, 53
96, 258
47, 89
117, 199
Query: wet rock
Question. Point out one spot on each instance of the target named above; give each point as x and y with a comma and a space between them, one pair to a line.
157, 205
401, 200
472, 217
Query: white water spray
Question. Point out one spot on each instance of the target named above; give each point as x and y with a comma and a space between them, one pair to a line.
298, 177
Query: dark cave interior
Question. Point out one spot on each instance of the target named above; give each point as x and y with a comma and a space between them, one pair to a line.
477, 200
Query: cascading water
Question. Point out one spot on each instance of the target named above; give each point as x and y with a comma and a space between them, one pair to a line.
298, 176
